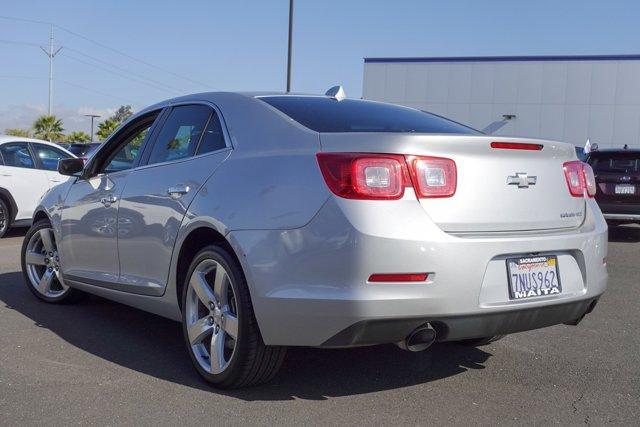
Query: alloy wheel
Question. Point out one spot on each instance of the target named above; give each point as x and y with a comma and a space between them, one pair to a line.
211, 316
43, 264
4, 220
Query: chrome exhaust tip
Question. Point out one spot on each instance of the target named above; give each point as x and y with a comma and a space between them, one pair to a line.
418, 340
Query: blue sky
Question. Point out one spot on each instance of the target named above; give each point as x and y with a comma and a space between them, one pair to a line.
241, 45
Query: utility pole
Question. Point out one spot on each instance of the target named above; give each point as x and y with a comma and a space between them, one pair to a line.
93, 116
290, 44
51, 54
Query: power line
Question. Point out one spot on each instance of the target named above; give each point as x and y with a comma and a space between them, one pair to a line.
119, 98
133, 58
19, 43
139, 76
66, 55
104, 46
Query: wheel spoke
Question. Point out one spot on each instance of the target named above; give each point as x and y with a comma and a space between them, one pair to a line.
231, 324
199, 330
47, 240
45, 282
220, 285
216, 354
201, 288
34, 258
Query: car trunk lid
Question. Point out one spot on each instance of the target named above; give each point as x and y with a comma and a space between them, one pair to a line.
497, 190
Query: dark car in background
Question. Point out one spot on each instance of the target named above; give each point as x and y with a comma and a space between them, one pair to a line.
83, 150
617, 173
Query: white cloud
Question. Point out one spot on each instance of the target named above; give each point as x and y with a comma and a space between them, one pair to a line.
23, 116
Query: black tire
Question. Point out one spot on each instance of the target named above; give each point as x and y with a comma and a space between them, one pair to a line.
479, 342
252, 362
69, 296
5, 218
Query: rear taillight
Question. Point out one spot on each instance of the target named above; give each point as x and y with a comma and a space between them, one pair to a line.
589, 180
385, 176
365, 176
433, 176
580, 179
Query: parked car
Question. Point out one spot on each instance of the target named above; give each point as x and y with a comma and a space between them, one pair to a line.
617, 173
83, 150
28, 168
266, 221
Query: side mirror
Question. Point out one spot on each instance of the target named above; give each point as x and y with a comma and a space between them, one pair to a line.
70, 167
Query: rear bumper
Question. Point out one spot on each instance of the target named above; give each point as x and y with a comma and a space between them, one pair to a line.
369, 332
620, 211
309, 285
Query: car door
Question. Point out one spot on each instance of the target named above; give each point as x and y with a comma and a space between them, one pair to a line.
189, 146
89, 219
20, 178
47, 158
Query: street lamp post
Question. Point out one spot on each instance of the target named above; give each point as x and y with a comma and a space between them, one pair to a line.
290, 46
93, 116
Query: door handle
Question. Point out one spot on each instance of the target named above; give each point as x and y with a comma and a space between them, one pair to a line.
5, 174
108, 201
178, 191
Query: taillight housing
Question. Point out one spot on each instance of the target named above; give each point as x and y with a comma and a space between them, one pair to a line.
433, 176
580, 178
369, 176
589, 180
365, 176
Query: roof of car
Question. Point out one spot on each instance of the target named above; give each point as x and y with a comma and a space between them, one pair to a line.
10, 138
615, 150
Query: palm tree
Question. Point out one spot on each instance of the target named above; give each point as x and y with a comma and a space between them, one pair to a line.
23, 133
78, 136
107, 127
48, 127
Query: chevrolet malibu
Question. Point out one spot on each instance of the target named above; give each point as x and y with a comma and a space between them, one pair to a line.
262, 221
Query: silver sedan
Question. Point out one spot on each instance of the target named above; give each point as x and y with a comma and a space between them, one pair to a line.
262, 221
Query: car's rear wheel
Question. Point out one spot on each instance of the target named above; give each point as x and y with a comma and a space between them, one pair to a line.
219, 327
4, 218
41, 266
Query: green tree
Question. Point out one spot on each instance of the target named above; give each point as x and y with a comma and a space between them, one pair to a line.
24, 133
78, 137
123, 113
107, 127
48, 127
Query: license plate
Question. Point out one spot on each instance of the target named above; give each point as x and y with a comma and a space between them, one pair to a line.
625, 189
533, 276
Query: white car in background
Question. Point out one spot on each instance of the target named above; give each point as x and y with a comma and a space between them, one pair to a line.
28, 168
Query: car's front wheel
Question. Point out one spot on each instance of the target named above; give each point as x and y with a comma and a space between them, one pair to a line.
220, 329
4, 218
41, 266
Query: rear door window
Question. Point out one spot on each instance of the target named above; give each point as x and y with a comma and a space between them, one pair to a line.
17, 154
180, 134
625, 164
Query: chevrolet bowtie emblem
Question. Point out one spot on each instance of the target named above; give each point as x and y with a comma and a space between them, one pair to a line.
522, 180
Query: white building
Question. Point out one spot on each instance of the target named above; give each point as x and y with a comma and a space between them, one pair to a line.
567, 98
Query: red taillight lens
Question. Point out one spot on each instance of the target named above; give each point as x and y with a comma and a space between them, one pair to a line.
365, 176
399, 277
516, 146
385, 176
589, 179
433, 176
574, 173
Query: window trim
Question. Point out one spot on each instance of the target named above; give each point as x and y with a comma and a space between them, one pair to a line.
144, 163
111, 145
31, 153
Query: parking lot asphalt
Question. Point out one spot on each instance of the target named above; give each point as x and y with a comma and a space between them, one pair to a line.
105, 363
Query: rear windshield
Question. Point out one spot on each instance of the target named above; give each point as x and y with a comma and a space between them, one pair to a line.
323, 114
616, 164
